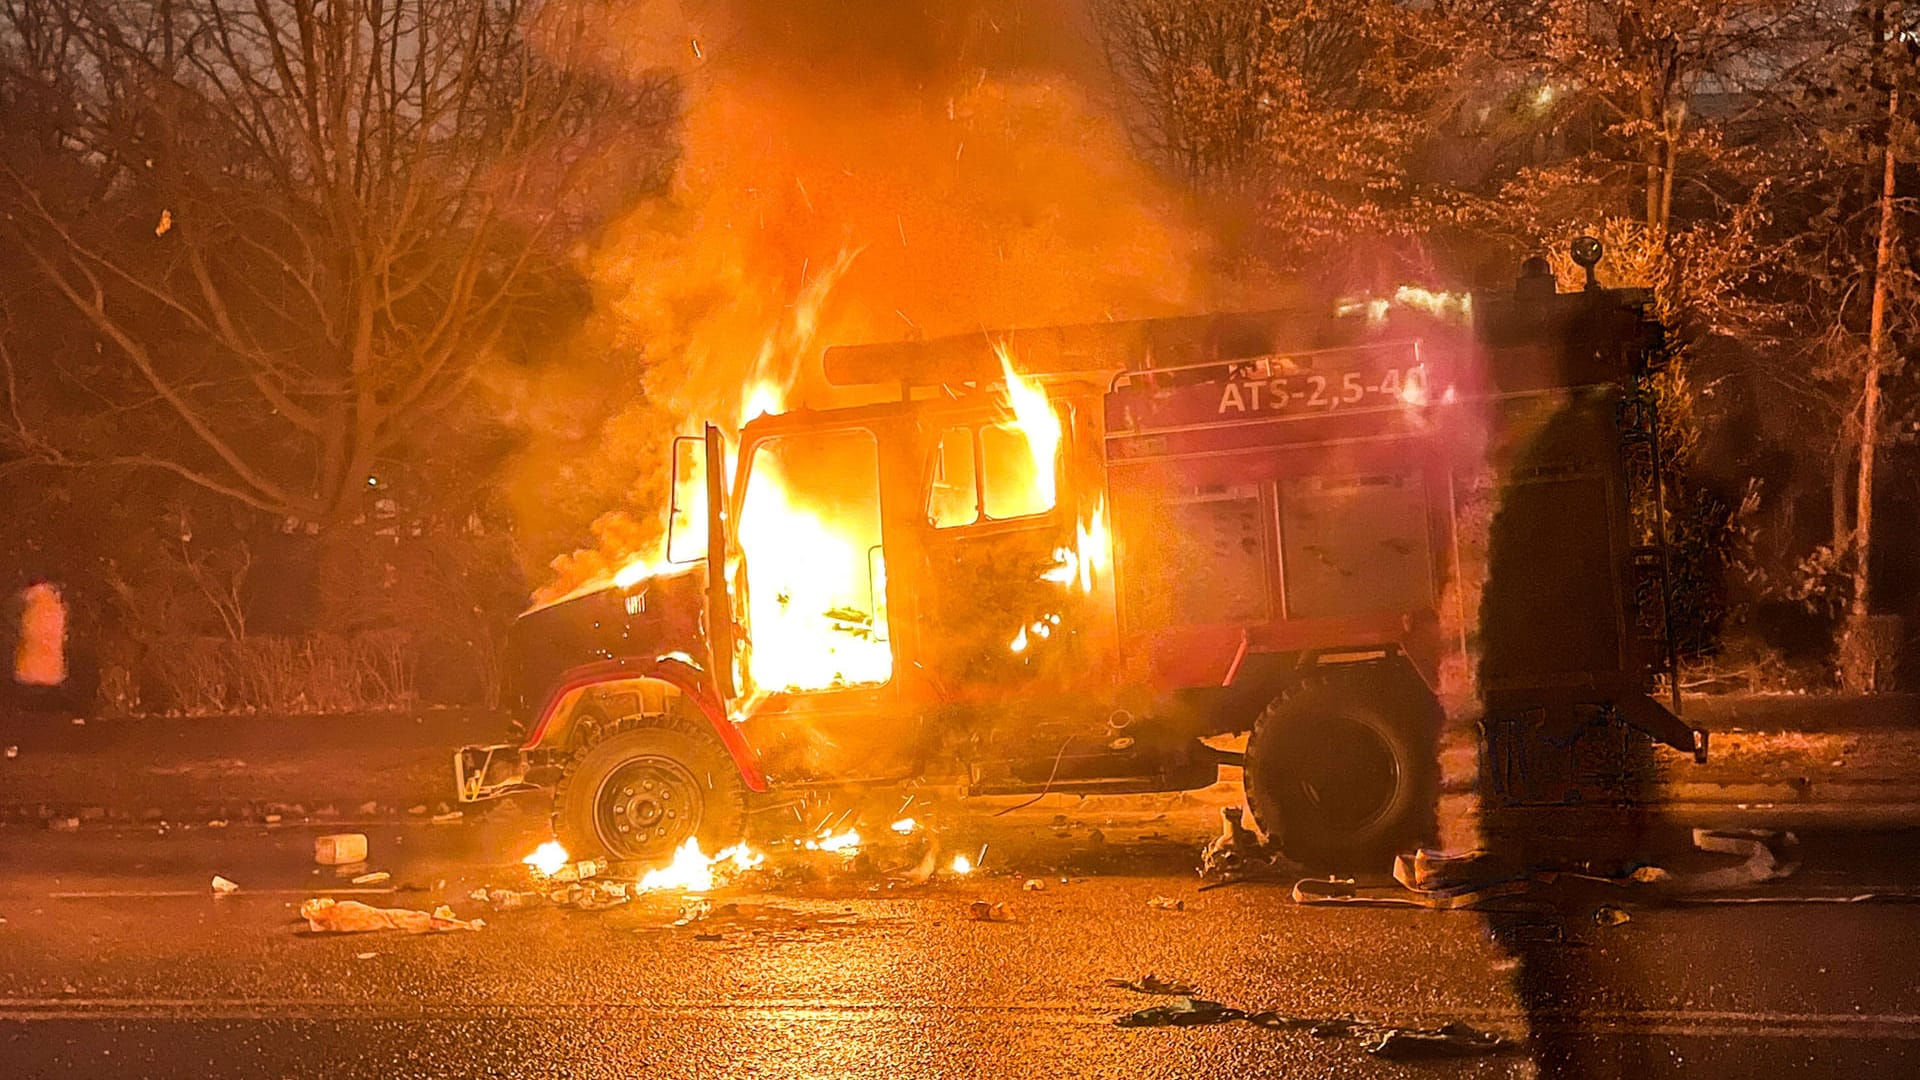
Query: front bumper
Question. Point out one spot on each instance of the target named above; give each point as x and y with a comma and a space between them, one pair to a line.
488, 772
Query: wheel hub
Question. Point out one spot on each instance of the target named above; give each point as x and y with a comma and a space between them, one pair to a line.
1348, 774
646, 807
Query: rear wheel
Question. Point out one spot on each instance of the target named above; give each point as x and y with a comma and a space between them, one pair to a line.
642, 787
1343, 770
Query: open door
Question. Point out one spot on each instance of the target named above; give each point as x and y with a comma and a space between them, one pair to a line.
720, 625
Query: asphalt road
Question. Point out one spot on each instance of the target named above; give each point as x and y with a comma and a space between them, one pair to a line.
120, 962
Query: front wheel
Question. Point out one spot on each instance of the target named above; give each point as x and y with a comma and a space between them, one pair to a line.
1343, 771
641, 788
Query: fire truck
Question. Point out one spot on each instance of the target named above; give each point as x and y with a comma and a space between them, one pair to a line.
1281, 525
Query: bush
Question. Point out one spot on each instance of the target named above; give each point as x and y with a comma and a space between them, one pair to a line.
316, 673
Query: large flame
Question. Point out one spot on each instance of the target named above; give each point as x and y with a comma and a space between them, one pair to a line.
547, 859
692, 871
1035, 418
809, 598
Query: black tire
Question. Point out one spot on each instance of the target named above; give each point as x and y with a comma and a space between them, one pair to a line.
640, 788
1343, 770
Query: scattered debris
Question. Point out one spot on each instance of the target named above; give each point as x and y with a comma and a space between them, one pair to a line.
12, 752
64, 824
1166, 903
272, 819
987, 911
1608, 915
448, 818
505, 899
1452, 1039
1391, 1041
1230, 854
1767, 856
375, 878
1154, 984
365, 955
223, 887
418, 811
962, 865
921, 872
369, 808
584, 870
340, 849
1034, 884
330, 916
1185, 1011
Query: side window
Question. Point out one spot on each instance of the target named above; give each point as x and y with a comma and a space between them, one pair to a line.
1016, 483
990, 473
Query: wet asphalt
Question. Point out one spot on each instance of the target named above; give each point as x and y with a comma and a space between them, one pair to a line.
119, 961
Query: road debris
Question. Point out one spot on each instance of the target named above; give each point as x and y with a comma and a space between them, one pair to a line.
64, 824
375, 878
223, 887
340, 849
1154, 984
1166, 903
1766, 856
448, 818
1033, 884
1392, 1041
365, 955
1238, 854
987, 911
1451, 881
506, 899
1184, 1011
1609, 915
1452, 1039
326, 915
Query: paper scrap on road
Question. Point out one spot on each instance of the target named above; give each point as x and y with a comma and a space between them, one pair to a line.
223, 887
329, 916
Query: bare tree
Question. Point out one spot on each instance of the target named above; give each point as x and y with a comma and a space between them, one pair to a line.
1311, 113
290, 230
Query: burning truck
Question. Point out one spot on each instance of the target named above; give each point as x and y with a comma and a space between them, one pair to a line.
1080, 559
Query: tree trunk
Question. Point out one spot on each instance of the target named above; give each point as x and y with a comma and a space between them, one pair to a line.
1860, 661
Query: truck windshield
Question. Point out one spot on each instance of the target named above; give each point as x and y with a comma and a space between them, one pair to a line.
810, 539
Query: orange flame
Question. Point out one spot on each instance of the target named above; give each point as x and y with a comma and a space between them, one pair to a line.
692, 871
1035, 418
